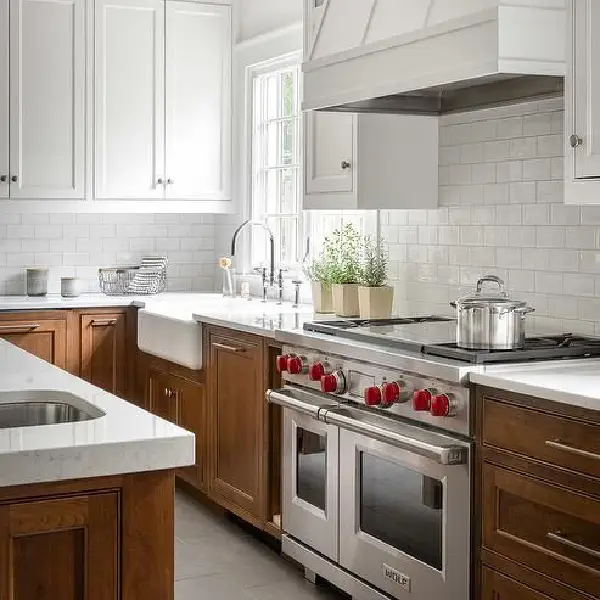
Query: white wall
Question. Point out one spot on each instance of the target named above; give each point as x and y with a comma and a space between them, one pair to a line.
257, 17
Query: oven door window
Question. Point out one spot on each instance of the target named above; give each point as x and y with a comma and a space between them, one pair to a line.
402, 508
311, 467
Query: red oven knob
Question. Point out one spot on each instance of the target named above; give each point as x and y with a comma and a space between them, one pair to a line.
422, 400
390, 392
333, 384
372, 396
295, 365
316, 371
440, 406
281, 363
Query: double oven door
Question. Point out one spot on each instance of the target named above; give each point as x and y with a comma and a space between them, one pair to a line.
404, 520
310, 482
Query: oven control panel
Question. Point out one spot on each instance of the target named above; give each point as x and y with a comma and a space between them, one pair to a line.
438, 402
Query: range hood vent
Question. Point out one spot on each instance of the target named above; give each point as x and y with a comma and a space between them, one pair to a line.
499, 56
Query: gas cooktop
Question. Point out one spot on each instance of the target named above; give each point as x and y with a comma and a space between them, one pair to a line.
435, 335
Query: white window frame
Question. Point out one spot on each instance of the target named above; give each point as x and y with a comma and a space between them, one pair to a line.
369, 219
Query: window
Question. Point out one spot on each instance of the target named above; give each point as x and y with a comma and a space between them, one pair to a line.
276, 189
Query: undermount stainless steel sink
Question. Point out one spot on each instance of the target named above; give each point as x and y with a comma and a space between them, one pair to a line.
32, 408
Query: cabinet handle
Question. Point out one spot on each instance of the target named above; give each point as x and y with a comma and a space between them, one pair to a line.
3, 178
562, 539
227, 348
169, 393
346, 164
17, 328
14, 178
558, 445
103, 323
575, 141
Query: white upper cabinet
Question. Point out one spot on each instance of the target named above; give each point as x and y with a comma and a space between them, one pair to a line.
198, 101
163, 100
330, 153
4, 144
370, 161
129, 99
47, 98
583, 124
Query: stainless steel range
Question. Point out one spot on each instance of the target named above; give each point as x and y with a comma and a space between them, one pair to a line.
377, 452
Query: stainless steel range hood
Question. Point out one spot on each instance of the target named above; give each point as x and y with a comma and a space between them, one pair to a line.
502, 55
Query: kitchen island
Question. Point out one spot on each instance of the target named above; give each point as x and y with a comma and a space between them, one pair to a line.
86, 507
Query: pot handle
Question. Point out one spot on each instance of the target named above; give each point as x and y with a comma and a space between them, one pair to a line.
525, 310
491, 279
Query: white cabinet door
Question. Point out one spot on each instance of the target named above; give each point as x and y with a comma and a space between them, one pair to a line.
4, 99
129, 99
198, 101
47, 98
586, 88
330, 153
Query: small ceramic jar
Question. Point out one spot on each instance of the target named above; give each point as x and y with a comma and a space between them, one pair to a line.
70, 287
37, 282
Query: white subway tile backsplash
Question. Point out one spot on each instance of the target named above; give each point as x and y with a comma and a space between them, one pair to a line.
506, 215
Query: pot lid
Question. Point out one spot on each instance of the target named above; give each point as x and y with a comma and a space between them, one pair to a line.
490, 296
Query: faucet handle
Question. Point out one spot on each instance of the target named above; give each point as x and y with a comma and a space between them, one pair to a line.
297, 283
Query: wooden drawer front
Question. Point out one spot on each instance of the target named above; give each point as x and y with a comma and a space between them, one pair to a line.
557, 440
495, 586
551, 530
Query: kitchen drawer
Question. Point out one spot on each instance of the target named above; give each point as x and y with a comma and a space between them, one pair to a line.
495, 586
559, 441
547, 528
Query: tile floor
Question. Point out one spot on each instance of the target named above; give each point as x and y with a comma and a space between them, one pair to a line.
215, 559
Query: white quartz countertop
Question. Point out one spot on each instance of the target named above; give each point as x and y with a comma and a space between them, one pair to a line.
568, 382
55, 301
126, 440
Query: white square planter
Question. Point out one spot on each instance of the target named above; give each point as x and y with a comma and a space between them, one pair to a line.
345, 300
375, 302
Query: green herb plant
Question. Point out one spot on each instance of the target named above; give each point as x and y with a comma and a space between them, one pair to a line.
374, 258
341, 252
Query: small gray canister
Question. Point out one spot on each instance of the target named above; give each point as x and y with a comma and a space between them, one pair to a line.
37, 282
70, 287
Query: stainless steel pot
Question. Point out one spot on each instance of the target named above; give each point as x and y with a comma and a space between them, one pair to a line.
489, 320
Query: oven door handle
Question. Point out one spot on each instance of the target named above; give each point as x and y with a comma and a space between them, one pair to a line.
287, 400
443, 455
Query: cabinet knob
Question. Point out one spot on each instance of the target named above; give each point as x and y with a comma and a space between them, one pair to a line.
160, 181
170, 181
346, 164
14, 178
3, 178
575, 141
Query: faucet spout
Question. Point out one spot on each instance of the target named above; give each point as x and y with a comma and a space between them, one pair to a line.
251, 223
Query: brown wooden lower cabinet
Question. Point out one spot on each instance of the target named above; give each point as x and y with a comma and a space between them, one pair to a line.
103, 350
236, 409
41, 334
182, 402
538, 482
97, 539
496, 586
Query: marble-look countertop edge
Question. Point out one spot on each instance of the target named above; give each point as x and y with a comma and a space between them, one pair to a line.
552, 394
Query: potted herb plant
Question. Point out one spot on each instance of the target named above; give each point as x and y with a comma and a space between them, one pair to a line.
319, 275
375, 298
341, 254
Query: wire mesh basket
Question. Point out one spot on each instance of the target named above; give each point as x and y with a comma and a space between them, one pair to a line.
142, 280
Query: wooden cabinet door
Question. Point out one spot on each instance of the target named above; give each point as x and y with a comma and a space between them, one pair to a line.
103, 351
62, 549
47, 98
198, 100
330, 154
44, 338
585, 80
499, 587
162, 398
236, 420
129, 98
4, 70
